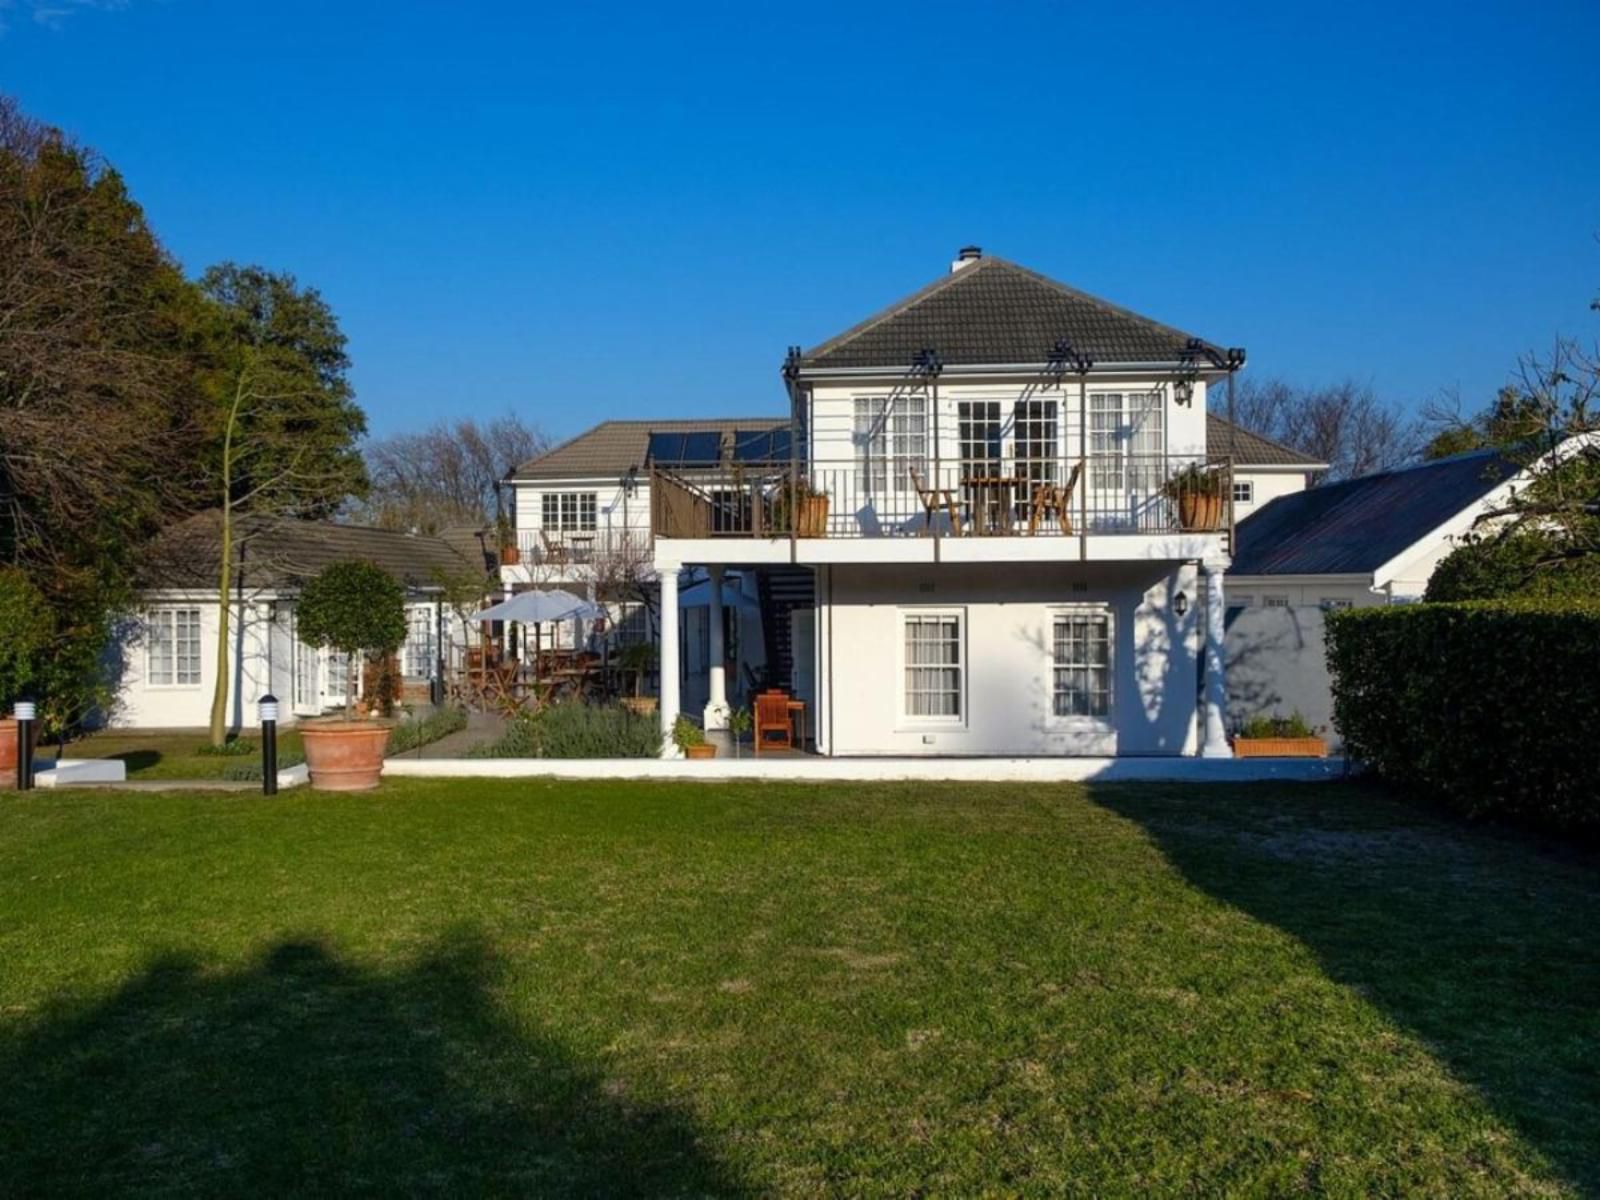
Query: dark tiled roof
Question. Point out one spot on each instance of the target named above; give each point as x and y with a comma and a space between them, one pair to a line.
995, 312
611, 447
1251, 449
282, 553
1357, 526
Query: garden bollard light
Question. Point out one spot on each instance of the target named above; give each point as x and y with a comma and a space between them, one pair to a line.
25, 714
269, 745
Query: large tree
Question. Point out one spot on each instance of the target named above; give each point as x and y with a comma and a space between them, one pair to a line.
99, 393
448, 474
1346, 425
284, 424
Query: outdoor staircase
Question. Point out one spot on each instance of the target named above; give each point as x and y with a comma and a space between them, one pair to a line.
781, 590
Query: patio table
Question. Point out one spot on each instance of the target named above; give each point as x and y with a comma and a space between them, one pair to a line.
989, 497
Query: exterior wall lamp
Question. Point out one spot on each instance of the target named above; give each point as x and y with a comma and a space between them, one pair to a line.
1180, 603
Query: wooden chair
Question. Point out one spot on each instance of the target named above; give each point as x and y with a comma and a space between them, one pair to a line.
934, 498
555, 551
1049, 499
772, 716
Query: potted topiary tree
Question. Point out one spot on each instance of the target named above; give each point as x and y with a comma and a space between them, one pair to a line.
1198, 495
637, 660
28, 628
351, 608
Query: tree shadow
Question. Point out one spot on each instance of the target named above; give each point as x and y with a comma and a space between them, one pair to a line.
138, 760
1480, 943
308, 1075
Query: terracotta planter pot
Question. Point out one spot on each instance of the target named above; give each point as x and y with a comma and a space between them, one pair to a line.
704, 750
345, 756
1280, 747
811, 517
1199, 513
510, 556
640, 706
9, 743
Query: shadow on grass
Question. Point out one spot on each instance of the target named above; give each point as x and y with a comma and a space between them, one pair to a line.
307, 1075
139, 760
1480, 943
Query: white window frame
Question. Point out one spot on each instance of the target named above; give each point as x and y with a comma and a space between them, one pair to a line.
1275, 600
1244, 491
573, 512
167, 615
420, 618
904, 718
1107, 721
892, 437
1328, 603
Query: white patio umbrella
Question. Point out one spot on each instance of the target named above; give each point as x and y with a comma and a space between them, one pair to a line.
532, 608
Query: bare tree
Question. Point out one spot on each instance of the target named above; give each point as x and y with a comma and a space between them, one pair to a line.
1345, 425
448, 474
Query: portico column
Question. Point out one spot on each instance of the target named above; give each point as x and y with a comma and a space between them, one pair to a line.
669, 660
716, 714
1215, 743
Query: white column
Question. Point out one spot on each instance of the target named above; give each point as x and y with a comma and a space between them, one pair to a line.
669, 660
716, 714
1215, 740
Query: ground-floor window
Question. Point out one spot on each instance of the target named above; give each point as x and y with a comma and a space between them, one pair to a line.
172, 647
1081, 663
935, 664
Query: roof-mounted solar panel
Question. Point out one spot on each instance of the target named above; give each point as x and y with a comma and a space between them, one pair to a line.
761, 445
686, 448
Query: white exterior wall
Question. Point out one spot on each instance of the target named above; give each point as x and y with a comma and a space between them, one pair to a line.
1008, 628
616, 508
254, 646
1266, 485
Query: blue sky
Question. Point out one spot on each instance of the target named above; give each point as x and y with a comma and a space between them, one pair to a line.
583, 210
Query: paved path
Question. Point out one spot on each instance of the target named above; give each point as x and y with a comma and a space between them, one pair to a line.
481, 727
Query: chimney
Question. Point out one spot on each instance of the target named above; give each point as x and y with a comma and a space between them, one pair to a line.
965, 257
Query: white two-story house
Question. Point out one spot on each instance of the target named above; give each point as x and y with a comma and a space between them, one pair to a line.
991, 508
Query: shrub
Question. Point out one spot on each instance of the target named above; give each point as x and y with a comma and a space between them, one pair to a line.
352, 607
409, 735
1490, 707
686, 733
26, 628
232, 748
578, 730
1524, 564
1293, 726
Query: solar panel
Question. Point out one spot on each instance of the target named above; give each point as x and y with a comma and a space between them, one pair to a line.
761, 445
690, 448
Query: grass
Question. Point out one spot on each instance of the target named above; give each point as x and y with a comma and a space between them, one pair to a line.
178, 755
733, 989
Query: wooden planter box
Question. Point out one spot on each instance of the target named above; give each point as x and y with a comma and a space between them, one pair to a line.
704, 750
811, 519
1280, 747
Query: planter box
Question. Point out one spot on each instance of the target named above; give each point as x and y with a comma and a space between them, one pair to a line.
811, 521
1199, 514
1280, 747
510, 556
704, 750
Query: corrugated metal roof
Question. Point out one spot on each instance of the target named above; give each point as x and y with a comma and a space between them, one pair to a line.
1356, 526
611, 447
996, 312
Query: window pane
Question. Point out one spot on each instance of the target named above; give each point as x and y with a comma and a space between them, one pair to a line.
1081, 646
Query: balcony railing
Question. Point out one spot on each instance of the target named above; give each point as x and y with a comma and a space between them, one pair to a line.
577, 547
1103, 494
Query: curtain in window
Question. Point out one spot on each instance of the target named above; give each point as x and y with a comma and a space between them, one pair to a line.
1082, 665
891, 441
933, 666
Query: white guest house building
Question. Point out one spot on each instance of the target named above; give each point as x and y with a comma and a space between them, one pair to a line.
993, 521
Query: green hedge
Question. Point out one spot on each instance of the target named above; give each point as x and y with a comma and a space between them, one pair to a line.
1492, 707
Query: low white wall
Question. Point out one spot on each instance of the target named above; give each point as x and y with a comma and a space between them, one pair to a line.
1009, 613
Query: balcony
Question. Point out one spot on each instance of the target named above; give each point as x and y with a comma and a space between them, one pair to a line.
539, 549
1113, 495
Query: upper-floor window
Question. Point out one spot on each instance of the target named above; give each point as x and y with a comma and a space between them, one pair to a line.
1244, 491
978, 428
172, 648
891, 441
1127, 436
569, 512
1035, 443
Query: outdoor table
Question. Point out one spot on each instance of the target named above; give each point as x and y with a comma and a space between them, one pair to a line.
989, 497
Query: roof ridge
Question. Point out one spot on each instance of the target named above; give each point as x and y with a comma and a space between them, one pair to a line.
1099, 301
897, 307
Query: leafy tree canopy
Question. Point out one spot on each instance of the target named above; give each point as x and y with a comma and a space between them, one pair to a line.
352, 607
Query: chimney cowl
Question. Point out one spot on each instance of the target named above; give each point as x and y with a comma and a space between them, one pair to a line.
965, 257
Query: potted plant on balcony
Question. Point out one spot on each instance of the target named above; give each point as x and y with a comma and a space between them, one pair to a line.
1198, 494
506, 535
1278, 737
638, 660
804, 506
26, 630
691, 739
351, 608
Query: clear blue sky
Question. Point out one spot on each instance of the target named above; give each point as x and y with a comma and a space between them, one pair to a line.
588, 210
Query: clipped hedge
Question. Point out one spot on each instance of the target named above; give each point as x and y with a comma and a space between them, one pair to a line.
574, 729
1492, 707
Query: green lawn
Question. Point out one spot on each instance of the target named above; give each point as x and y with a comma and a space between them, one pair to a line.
462, 988
171, 755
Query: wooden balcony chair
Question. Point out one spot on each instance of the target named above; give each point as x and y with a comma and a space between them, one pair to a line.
934, 498
555, 551
1052, 500
772, 717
